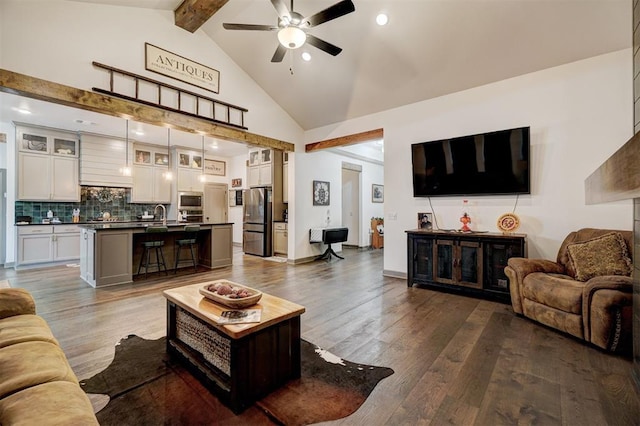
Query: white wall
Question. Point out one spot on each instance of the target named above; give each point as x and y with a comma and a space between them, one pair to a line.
579, 114
326, 166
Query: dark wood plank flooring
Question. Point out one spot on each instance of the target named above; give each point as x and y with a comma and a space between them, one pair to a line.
457, 360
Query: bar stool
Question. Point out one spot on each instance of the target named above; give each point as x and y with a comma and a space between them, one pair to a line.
191, 234
150, 245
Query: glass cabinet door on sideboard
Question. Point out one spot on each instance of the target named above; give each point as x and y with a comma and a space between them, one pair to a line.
472, 263
421, 250
458, 262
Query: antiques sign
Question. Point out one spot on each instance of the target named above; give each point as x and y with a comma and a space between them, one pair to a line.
175, 66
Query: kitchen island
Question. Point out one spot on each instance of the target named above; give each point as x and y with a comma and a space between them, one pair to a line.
110, 252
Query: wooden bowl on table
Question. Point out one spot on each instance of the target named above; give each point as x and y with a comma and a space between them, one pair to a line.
231, 300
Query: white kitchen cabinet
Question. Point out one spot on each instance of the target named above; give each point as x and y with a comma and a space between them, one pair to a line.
260, 170
47, 178
47, 165
34, 245
150, 185
48, 244
64, 179
259, 175
34, 171
189, 171
66, 242
280, 238
189, 180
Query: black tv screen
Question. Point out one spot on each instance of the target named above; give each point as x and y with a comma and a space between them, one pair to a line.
491, 163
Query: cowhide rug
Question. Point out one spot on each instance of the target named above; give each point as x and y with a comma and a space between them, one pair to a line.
144, 386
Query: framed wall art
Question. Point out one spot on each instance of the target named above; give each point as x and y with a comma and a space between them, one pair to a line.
215, 167
320, 193
236, 183
377, 193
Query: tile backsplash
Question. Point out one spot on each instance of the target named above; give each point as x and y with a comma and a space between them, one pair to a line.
94, 201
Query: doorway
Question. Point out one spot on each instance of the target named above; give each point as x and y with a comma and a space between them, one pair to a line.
215, 203
351, 174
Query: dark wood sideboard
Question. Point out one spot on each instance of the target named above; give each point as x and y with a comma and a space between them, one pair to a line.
471, 263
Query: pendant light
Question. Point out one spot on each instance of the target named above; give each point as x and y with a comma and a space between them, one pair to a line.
126, 170
168, 175
202, 176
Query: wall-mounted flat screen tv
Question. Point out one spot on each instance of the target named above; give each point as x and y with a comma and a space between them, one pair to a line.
490, 163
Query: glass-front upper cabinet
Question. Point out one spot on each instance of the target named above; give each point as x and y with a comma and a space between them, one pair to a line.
142, 156
45, 142
34, 143
161, 159
260, 156
189, 159
65, 147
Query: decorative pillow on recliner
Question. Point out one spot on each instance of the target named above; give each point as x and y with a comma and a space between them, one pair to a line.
604, 255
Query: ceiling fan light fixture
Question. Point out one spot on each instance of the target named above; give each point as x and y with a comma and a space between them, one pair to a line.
291, 37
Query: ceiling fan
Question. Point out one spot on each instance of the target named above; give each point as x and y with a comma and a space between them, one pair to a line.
292, 27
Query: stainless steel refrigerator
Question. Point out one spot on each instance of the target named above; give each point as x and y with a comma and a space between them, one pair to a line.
256, 224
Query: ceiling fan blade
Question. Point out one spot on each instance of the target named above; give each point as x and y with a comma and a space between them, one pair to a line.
281, 8
323, 45
332, 12
279, 53
250, 27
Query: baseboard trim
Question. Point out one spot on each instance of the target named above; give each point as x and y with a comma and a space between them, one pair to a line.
394, 274
302, 260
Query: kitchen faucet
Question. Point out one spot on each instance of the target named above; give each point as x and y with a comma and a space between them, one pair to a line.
164, 213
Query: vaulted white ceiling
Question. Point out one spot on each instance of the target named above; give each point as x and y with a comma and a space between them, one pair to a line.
428, 49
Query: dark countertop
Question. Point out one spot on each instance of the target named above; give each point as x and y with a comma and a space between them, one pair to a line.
138, 225
86, 222
123, 225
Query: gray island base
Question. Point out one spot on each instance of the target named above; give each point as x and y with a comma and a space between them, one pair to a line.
110, 252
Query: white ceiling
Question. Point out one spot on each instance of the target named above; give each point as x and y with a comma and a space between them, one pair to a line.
428, 49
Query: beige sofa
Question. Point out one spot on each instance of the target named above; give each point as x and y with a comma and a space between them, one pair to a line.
586, 292
37, 385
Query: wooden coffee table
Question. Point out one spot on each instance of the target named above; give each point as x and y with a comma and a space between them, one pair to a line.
240, 363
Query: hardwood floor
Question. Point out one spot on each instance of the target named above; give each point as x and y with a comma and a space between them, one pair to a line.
457, 360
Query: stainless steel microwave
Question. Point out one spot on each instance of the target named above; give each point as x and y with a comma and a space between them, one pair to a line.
190, 201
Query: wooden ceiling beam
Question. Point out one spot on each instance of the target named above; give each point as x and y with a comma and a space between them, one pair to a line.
35, 88
192, 14
367, 136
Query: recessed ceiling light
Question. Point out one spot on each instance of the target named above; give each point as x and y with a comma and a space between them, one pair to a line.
382, 19
306, 56
22, 110
138, 132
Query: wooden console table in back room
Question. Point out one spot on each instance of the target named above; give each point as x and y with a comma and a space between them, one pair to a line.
240, 363
471, 263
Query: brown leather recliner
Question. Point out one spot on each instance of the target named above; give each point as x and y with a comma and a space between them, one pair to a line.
586, 292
